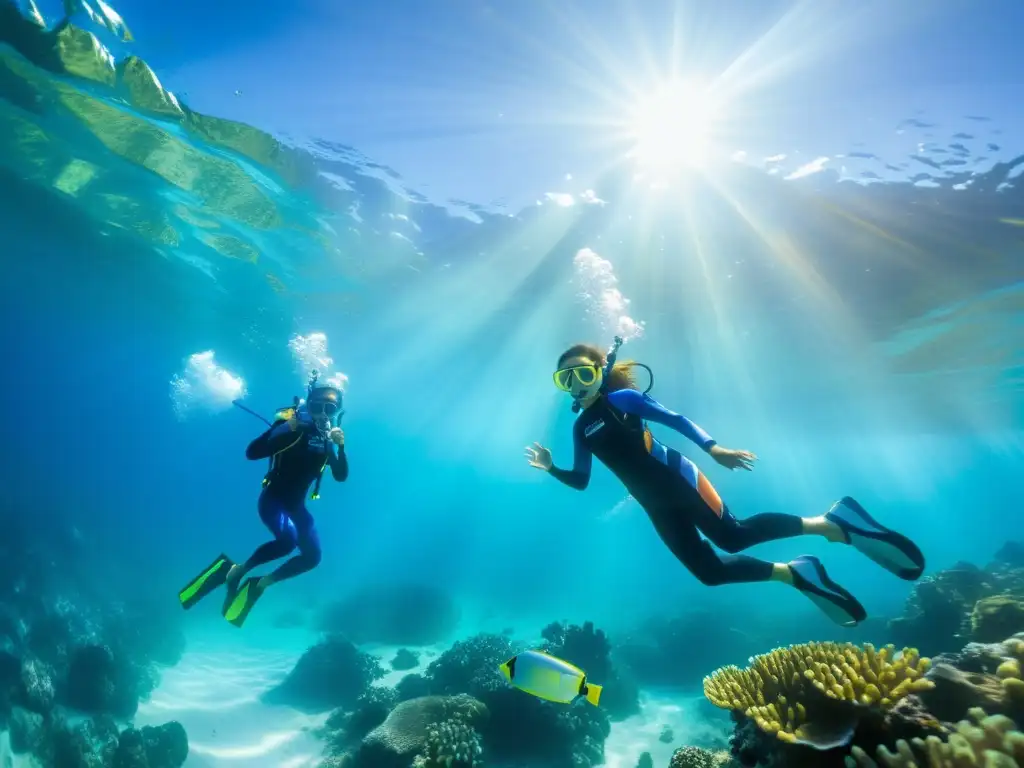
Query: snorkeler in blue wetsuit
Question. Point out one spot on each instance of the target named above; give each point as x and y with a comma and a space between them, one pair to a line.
681, 502
300, 445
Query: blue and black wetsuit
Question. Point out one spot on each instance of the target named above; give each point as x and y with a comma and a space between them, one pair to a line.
679, 500
298, 458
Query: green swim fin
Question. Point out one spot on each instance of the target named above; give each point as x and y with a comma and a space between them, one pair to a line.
209, 579
238, 605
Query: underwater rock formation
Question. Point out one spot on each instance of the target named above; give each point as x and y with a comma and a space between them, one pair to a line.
590, 650
96, 743
519, 728
945, 609
164, 746
404, 659
571, 736
333, 673
424, 732
345, 728
393, 614
68, 650
986, 676
996, 617
97, 682
695, 757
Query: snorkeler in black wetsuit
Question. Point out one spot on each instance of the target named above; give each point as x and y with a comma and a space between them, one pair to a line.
300, 444
682, 504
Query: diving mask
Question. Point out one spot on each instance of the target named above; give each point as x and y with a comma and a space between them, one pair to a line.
586, 375
323, 408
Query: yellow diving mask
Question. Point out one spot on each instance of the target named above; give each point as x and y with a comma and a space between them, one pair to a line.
586, 375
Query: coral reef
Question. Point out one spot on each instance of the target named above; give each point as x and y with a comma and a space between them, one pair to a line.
571, 736
996, 617
815, 693
947, 609
986, 676
695, 757
451, 744
333, 673
590, 650
393, 614
427, 730
65, 645
560, 736
345, 728
940, 722
990, 741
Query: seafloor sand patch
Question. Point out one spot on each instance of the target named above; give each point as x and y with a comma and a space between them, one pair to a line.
215, 695
214, 692
632, 737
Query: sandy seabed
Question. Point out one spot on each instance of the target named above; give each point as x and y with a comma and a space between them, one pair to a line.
215, 693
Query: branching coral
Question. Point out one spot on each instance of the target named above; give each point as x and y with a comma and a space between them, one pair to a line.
988, 742
451, 744
811, 693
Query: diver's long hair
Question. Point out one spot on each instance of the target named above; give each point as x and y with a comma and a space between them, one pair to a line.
621, 376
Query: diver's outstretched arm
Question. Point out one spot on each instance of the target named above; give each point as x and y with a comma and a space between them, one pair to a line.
646, 407
579, 476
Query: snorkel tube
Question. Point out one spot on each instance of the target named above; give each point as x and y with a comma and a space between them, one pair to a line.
610, 357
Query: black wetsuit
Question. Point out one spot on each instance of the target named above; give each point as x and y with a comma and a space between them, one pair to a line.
298, 458
679, 500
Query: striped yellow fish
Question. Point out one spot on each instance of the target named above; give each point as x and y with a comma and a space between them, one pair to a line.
542, 675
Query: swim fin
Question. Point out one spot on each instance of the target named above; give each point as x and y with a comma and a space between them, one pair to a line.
839, 605
209, 579
241, 601
893, 551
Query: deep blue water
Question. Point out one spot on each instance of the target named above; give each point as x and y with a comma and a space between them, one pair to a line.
861, 339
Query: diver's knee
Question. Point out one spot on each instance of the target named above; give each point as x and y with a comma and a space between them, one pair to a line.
313, 557
732, 545
710, 577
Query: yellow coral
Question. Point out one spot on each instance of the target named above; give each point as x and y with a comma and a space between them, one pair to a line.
1010, 669
987, 742
777, 688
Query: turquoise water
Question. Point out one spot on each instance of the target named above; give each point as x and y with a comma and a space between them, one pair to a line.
863, 339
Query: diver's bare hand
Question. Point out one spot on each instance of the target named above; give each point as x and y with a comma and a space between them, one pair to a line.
337, 436
731, 459
538, 456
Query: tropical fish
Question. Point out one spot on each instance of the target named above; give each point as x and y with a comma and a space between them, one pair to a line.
542, 675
